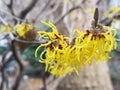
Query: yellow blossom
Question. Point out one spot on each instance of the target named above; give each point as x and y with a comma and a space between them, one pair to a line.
115, 9
63, 56
23, 28
55, 52
108, 15
96, 46
91, 11
111, 12
6, 28
53, 35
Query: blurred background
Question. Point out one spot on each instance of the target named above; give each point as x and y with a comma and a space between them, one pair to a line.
20, 69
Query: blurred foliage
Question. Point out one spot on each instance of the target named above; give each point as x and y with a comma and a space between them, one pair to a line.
116, 24
3, 49
36, 68
29, 55
43, 27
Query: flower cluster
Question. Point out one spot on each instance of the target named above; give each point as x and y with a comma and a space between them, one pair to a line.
23, 28
6, 28
20, 29
65, 56
55, 52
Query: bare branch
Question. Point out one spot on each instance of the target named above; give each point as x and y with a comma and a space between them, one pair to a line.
106, 21
62, 17
3, 21
4, 37
65, 20
98, 2
43, 9
16, 19
7, 61
9, 6
29, 42
28, 9
2, 69
69, 25
18, 59
51, 11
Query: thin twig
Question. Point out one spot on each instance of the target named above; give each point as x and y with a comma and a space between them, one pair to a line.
50, 11
3, 70
9, 6
7, 61
25, 11
13, 16
62, 17
4, 37
65, 20
30, 42
4, 63
43, 9
3, 21
106, 21
98, 2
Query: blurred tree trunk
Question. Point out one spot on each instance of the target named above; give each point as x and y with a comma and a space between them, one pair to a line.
95, 77
92, 78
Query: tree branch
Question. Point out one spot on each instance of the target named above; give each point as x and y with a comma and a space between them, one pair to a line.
63, 16
3, 21
106, 21
28, 9
2, 69
16, 19
10, 6
42, 10
98, 2
51, 11
19, 61
30, 42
